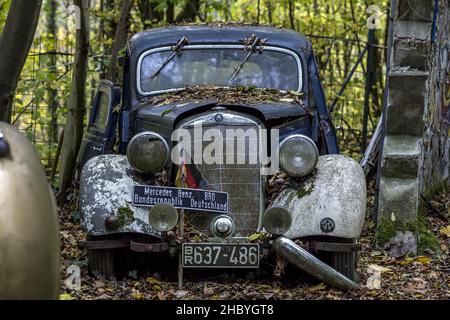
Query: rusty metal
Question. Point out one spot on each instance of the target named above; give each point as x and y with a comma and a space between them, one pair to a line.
304, 260
334, 247
149, 247
104, 244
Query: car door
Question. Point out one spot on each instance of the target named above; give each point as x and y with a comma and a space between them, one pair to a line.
100, 135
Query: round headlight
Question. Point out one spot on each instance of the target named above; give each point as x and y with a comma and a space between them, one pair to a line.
277, 220
298, 155
163, 217
148, 152
222, 226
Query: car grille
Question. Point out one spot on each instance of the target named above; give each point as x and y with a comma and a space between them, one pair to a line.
243, 182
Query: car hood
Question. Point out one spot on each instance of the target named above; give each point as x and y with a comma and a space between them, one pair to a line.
166, 116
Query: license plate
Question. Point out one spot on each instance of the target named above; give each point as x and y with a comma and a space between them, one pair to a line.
220, 255
183, 198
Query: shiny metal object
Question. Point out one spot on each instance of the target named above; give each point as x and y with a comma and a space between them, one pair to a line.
29, 231
163, 217
277, 220
222, 226
311, 265
307, 155
151, 160
243, 182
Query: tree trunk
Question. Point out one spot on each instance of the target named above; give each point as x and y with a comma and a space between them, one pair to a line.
50, 9
170, 12
120, 38
292, 14
190, 11
15, 43
148, 13
73, 132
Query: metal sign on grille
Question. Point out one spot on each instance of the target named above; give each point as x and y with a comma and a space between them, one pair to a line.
183, 198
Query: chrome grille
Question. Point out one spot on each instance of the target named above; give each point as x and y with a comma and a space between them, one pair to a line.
243, 182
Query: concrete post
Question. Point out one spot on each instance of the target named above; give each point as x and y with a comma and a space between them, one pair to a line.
416, 115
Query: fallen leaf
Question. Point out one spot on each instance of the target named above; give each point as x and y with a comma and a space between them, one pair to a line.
65, 296
254, 236
422, 259
318, 287
152, 281
137, 295
446, 231
372, 268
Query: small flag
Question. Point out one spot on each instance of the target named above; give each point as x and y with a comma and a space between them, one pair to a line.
188, 176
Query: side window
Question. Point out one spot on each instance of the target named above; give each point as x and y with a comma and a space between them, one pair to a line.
101, 112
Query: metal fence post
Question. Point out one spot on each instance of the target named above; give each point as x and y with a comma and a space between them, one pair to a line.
370, 70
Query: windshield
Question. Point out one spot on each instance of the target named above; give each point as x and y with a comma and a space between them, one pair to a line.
273, 69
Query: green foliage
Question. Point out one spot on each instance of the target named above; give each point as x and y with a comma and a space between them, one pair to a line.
43, 90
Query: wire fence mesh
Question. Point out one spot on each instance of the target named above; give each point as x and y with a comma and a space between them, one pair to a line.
39, 107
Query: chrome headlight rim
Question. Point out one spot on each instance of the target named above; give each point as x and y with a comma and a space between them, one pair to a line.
292, 136
163, 206
139, 135
273, 230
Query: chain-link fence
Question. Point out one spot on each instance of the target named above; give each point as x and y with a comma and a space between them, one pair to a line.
39, 107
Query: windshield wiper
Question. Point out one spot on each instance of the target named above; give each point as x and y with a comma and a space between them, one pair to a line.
252, 44
176, 51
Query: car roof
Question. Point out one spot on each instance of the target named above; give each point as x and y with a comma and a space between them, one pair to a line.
218, 34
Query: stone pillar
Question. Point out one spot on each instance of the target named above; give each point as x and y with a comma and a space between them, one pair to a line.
413, 127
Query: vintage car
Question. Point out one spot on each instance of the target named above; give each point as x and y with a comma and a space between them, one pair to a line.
139, 191
29, 229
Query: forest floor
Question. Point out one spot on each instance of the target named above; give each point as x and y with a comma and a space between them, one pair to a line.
420, 277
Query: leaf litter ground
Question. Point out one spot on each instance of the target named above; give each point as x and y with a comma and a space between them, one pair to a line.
423, 277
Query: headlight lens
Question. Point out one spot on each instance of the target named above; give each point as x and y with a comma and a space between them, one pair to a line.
148, 152
277, 220
298, 155
163, 217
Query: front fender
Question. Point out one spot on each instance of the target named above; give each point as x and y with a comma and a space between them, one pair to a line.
106, 187
336, 191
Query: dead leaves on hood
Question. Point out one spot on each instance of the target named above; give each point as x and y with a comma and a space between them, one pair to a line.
232, 95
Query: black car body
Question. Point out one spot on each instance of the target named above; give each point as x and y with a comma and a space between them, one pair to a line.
178, 77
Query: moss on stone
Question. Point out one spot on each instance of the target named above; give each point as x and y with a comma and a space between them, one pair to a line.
426, 239
387, 229
125, 215
305, 189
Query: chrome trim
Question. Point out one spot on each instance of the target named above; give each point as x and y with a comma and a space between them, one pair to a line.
210, 46
304, 260
233, 118
306, 138
138, 135
231, 225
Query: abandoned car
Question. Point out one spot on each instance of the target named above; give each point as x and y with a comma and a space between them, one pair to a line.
213, 213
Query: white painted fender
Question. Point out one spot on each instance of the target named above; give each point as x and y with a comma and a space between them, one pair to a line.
106, 185
336, 191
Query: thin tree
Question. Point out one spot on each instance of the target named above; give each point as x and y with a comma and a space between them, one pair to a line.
73, 131
120, 38
50, 9
15, 43
190, 11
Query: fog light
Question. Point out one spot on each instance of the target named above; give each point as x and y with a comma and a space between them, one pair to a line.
163, 217
222, 226
277, 220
